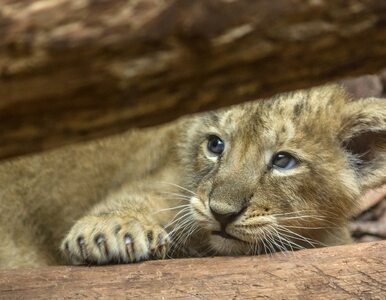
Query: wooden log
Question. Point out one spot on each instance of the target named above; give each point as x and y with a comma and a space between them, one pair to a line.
76, 69
346, 272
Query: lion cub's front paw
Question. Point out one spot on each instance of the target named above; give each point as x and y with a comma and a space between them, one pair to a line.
102, 240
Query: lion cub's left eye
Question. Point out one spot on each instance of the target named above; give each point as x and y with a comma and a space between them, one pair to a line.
215, 145
284, 160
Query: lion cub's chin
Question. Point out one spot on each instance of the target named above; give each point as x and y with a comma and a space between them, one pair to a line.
225, 246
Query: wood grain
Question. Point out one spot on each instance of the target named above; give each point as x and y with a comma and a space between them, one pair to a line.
72, 70
345, 272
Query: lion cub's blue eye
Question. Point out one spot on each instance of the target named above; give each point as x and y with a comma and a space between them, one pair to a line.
284, 160
215, 145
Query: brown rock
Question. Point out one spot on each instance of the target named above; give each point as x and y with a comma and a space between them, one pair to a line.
364, 86
368, 238
383, 79
75, 70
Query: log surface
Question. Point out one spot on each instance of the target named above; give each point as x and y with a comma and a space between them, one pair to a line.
345, 272
72, 70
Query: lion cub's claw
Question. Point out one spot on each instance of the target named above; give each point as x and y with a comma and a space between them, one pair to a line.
103, 240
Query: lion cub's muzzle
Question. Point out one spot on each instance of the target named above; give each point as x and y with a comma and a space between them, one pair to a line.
227, 202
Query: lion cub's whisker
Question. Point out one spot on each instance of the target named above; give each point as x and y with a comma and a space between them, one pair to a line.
178, 196
172, 208
308, 227
298, 236
185, 212
179, 186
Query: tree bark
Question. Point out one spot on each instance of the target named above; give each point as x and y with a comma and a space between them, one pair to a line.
71, 70
346, 272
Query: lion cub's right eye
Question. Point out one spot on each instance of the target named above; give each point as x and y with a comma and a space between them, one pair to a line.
215, 145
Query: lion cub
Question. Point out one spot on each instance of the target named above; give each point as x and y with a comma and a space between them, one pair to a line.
272, 175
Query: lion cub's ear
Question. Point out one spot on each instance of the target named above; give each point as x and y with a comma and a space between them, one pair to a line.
363, 135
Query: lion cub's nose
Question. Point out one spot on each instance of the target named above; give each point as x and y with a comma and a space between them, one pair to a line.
225, 218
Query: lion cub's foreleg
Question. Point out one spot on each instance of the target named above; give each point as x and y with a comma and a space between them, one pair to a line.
126, 228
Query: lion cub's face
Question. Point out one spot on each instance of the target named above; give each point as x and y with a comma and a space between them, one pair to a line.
275, 174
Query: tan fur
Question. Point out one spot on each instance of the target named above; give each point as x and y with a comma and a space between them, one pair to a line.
149, 193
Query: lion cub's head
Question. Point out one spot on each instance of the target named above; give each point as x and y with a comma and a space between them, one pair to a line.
283, 173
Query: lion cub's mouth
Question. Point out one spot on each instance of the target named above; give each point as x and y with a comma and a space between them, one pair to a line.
225, 235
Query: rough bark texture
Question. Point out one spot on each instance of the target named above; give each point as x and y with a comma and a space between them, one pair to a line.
345, 272
77, 69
